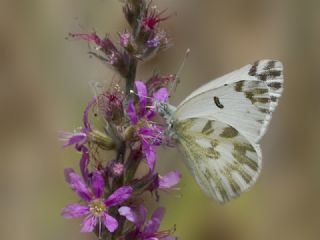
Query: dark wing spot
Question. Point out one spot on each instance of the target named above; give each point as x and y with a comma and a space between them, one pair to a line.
260, 91
266, 111
274, 99
263, 100
263, 76
253, 69
229, 132
217, 102
274, 73
271, 74
250, 96
207, 129
239, 86
275, 85
271, 64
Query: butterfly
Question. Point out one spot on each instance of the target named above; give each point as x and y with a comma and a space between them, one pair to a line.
219, 125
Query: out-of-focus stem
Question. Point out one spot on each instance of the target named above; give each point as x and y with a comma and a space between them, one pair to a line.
132, 70
132, 165
102, 140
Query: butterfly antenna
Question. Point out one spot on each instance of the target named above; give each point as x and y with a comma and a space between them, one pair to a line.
177, 78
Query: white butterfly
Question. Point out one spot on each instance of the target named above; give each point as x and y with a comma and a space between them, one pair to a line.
219, 125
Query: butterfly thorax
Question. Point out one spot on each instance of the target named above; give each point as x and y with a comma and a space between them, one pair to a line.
165, 110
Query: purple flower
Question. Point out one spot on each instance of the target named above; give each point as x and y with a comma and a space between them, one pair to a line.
117, 169
95, 207
105, 45
79, 138
111, 54
169, 180
156, 182
110, 103
146, 230
150, 134
153, 43
156, 82
159, 39
72, 138
153, 18
125, 38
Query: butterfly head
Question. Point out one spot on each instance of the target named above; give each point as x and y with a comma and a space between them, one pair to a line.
165, 110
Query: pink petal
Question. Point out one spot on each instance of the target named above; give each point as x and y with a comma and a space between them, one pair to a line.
89, 37
131, 111
110, 222
154, 223
84, 162
153, 135
161, 95
72, 138
74, 211
128, 213
119, 196
150, 154
142, 93
169, 180
77, 184
98, 184
142, 215
89, 224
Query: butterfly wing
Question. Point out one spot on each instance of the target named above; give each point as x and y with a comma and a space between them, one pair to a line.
244, 99
244, 105
223, 162
269, 71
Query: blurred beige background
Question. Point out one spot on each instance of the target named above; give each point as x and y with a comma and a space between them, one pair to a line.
44, 88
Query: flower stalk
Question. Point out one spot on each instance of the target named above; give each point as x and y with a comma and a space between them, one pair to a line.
110, 191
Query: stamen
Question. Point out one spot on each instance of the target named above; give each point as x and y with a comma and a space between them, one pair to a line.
97, 207
100, 228
133, 92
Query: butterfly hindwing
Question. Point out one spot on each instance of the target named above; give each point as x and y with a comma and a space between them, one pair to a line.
223, 162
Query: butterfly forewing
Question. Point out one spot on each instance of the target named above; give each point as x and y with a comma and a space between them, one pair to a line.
271, 72
244, 105
223, 162
225, 91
